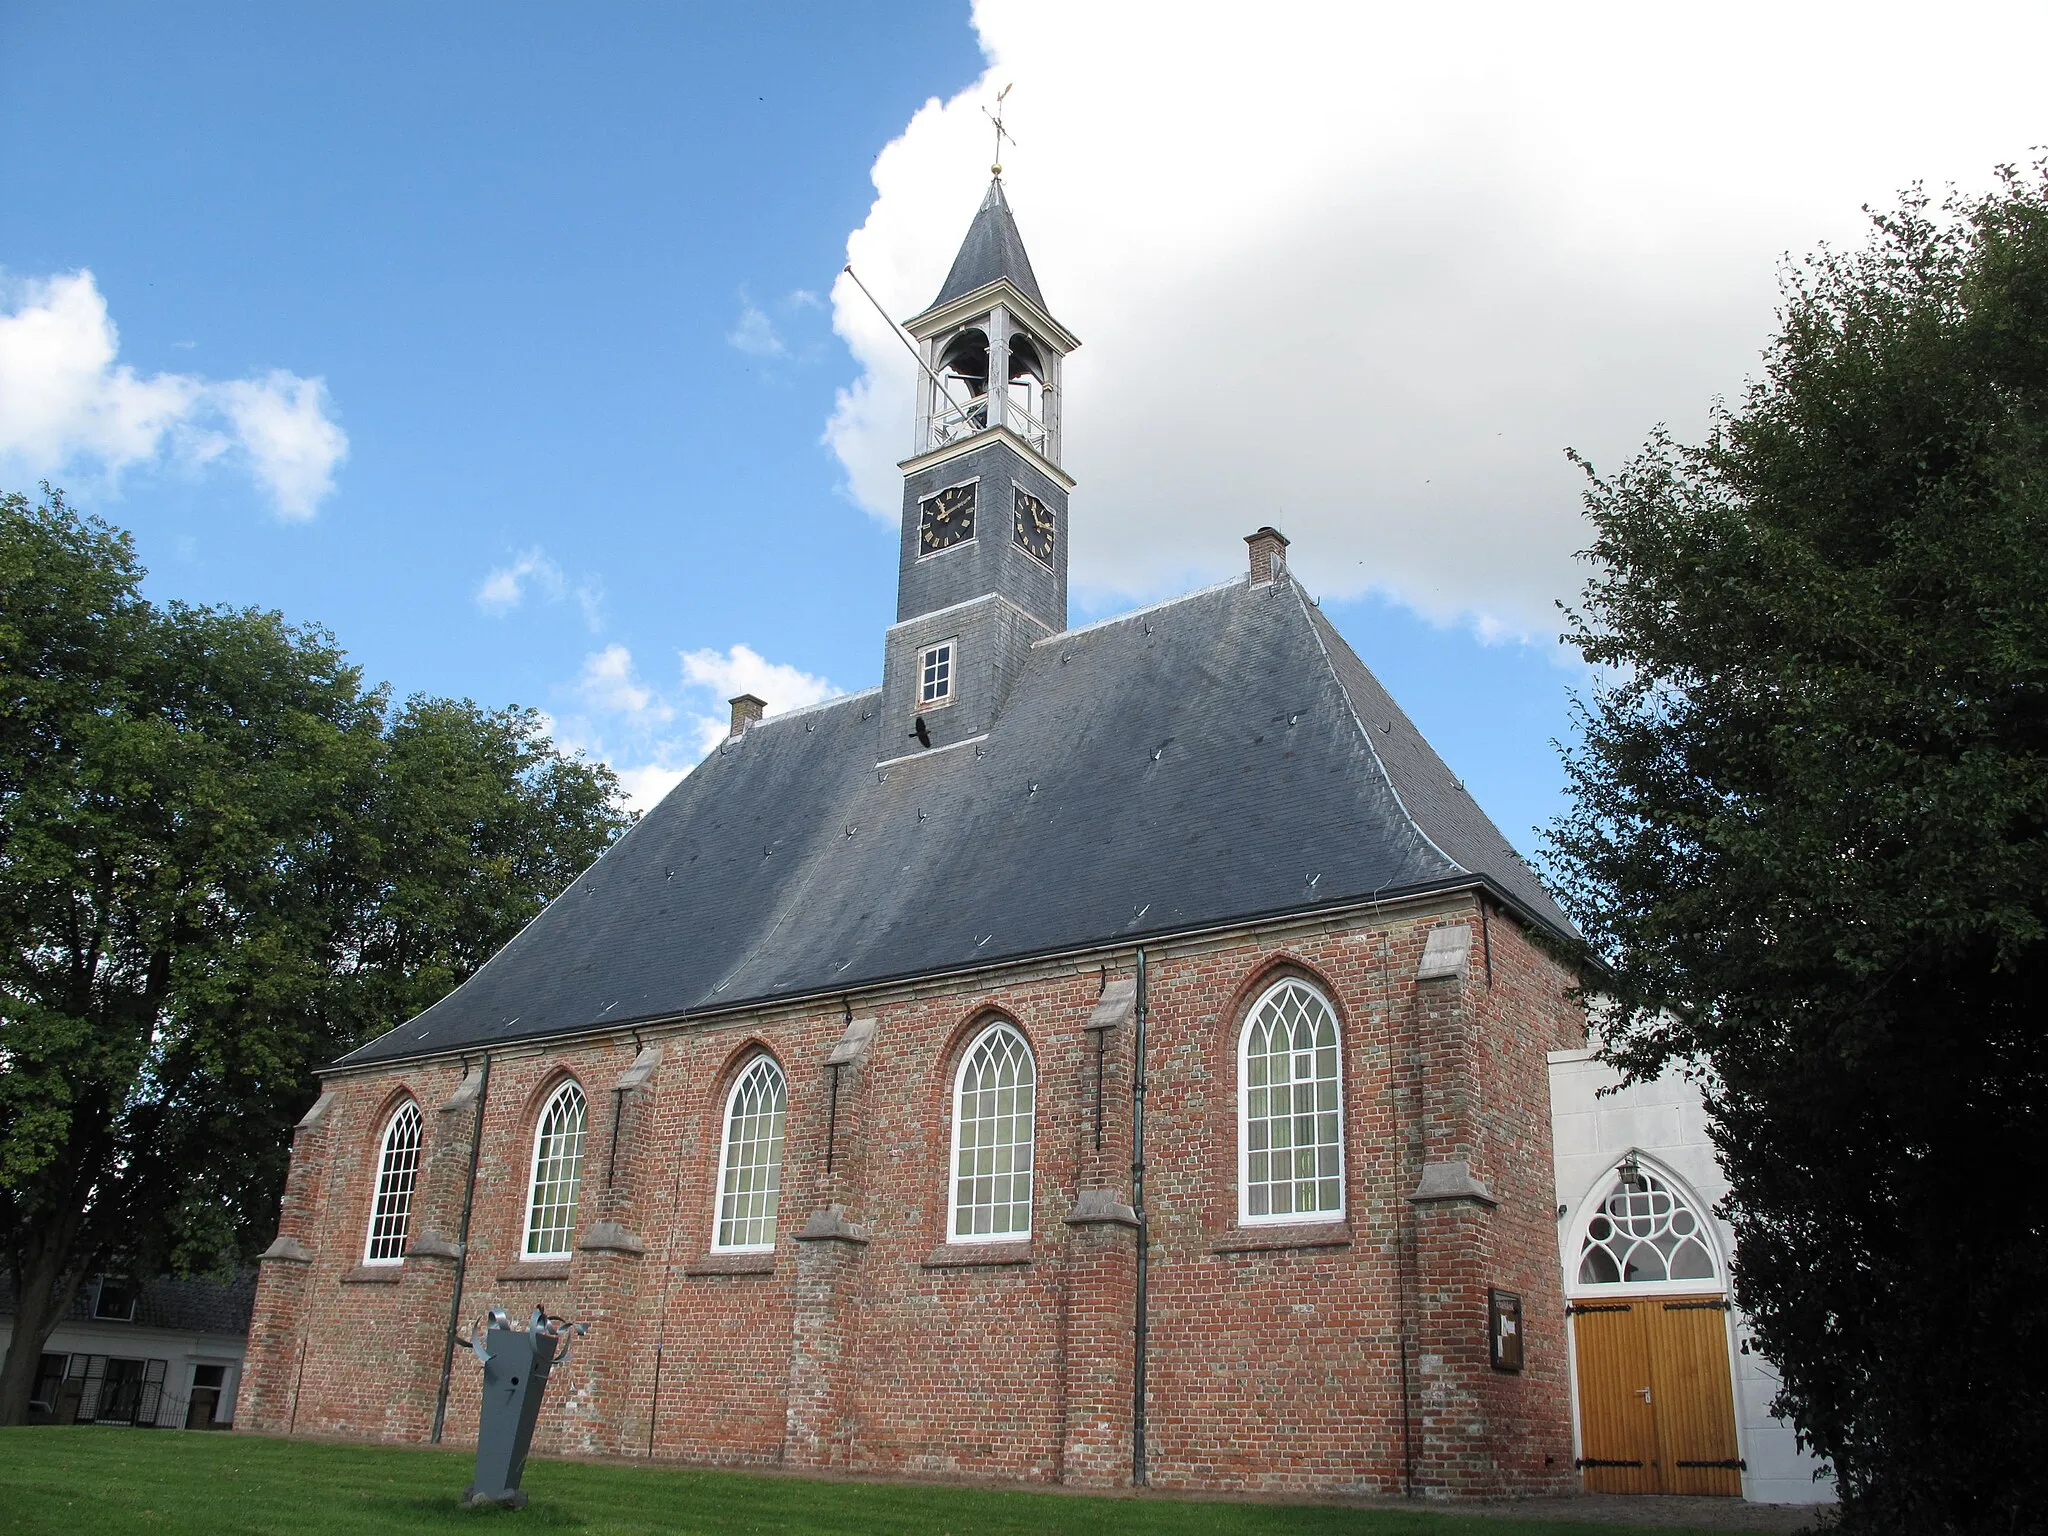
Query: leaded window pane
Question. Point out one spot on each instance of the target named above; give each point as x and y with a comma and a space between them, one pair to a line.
994, 1105
1645, 1231
557, 1175
750, 1175
398, 1166
1292, 1132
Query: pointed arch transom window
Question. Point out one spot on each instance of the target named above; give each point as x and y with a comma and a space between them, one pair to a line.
1644, 1232
398, 1166
994, 1110
557, 1175
1290, 1108
750, 1168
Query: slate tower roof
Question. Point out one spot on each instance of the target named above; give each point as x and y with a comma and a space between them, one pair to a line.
993, 249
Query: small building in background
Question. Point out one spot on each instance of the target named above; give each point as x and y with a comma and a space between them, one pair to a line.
162, 1354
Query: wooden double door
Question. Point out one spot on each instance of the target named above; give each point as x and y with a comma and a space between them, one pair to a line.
1656, 1404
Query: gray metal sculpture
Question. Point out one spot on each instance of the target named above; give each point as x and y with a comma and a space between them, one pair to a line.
516, 1363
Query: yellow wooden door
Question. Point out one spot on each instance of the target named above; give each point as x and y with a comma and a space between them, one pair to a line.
1656, 1404
1695, 1399
1617, 1418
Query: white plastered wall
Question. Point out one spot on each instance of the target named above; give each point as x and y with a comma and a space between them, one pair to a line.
1666, 1122
179, 1349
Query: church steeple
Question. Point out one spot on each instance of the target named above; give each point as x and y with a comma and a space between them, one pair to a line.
984, 496
993, 249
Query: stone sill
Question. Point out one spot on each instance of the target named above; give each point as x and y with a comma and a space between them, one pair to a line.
978, 1255
373, 1274
732, 1264
1307, 1234
545, 1269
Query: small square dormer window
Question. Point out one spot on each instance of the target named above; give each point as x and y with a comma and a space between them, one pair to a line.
114, 1302
935, 675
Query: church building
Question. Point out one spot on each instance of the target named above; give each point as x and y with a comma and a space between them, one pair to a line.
1096, 1055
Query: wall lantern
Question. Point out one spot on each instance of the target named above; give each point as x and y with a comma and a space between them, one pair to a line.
1631, 1173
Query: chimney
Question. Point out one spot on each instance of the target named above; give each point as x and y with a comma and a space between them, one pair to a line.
1269, 554
746, 711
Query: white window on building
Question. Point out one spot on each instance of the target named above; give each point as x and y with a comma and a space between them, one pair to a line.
398, 1167
994, 1108
557, 1175
750, 1169
935, 674
1645, 1232
1290, 1109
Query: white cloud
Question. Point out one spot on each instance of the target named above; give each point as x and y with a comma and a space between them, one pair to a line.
1364, 270
532, 571
754, 334
609, 686
66, 403
653, 735
742, 669
293, 444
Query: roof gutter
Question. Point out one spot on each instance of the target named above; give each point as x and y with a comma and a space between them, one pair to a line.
1449, 885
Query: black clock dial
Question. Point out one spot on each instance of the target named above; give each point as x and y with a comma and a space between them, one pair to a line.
946, 519
1035, 526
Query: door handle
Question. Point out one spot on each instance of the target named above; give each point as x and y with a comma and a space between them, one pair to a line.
1646, 1394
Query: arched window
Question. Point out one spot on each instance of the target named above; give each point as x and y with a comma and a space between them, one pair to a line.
994, 1104
398, 1167
1291, 1109
750, 1168
1645, 1232
557, 1175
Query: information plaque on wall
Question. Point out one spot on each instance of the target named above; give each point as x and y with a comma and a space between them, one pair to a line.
1504, 1329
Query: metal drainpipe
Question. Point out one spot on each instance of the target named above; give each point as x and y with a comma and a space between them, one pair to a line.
1139, 1327
476, 1147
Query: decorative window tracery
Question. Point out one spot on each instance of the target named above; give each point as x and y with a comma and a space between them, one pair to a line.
994, 1118
557, 1175
1645, 1231
398, 1166
1290, 1109
750, 1167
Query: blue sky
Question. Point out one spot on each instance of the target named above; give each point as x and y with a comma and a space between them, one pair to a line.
563, 280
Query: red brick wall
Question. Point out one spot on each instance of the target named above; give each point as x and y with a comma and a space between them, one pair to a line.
1275, 1362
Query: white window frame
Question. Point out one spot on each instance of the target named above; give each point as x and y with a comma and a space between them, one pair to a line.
384, 1173
1245, 1217
925, 653
967, 1057
527, 1253
720, 1194
1683, 1194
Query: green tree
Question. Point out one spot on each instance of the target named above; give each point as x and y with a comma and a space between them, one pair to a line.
220, 867
1810, 836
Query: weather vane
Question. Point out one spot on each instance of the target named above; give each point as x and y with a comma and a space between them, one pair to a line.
1002, 133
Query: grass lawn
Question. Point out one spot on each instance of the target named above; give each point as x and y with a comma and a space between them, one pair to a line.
83, 1481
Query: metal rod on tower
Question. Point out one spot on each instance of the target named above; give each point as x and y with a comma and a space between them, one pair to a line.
904, 337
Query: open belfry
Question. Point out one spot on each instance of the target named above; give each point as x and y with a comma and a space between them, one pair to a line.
1095, 1055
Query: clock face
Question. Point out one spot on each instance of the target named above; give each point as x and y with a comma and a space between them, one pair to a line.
1035, 526
946, 519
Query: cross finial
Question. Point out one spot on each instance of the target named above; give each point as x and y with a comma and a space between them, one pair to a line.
1002, 133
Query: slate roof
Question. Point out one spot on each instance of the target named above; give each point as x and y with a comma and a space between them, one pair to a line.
1215, 759
182, 1306
992, 249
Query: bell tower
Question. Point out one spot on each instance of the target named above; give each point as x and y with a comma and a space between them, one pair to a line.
983, 564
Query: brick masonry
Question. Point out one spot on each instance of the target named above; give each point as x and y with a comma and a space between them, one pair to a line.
1277, 1355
